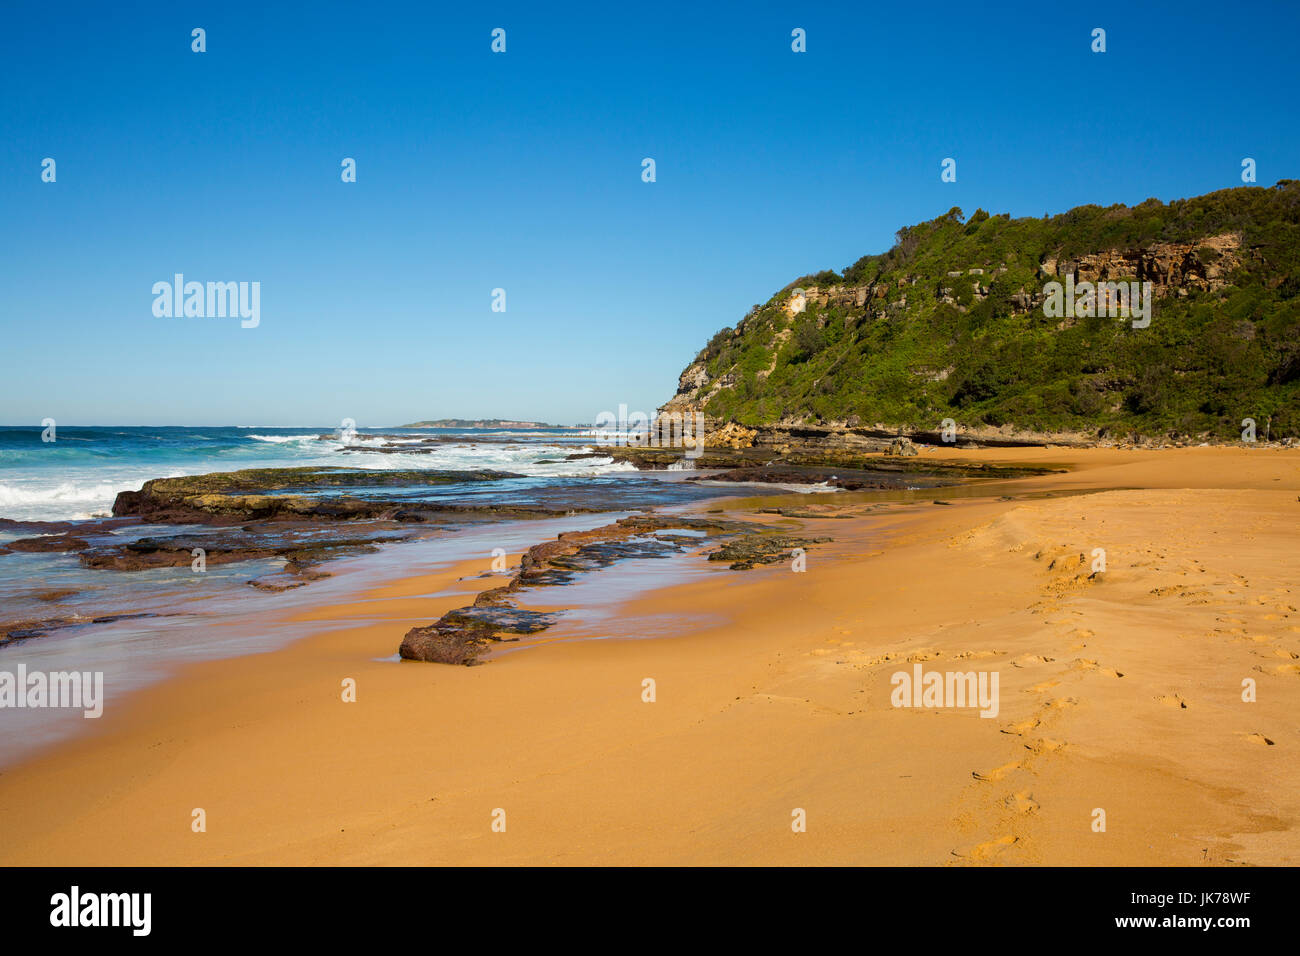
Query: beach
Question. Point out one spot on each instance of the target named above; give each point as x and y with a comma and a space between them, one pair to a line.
1119, 690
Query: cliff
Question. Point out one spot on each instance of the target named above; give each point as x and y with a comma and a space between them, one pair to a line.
951, 323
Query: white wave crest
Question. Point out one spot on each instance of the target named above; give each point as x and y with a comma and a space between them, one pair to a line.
284, 439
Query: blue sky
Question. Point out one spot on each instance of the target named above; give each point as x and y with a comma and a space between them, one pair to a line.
522, 171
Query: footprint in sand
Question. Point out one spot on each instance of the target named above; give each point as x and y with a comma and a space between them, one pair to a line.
1259, 739
1173, 700
925, 655
1058, 703
1021, 728
1022, 802
1044, 686
996, 774
1046, 745
1028, 660
1083, 664
987, 850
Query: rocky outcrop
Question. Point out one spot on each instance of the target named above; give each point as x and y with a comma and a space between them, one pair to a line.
849, 479
752, 549
15, 632
255, 494
51, 543
730, 435
843, 296
464, 635
1172, 268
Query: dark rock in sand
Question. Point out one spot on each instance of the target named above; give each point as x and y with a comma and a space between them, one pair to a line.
507, 620
847, 479
14, 632
744, 553
461, 636
446, 645
302, 548
49, 543
800, 513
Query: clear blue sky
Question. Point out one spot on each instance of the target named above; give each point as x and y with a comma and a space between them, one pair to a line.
523, 171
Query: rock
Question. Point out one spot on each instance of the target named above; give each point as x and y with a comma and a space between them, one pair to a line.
753, 549
463, 635
730, 435
49, 543
248, 494
16, 631
902, 446
445, 645
845, 478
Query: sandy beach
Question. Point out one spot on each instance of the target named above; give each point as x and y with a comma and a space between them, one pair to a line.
1120, 691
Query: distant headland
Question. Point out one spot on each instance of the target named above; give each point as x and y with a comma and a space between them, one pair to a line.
481, 423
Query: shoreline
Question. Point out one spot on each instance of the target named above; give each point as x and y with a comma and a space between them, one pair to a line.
780, 701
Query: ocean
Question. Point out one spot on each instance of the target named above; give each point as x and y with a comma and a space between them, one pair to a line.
78, 475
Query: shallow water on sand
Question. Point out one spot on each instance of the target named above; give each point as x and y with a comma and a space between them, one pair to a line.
227, 622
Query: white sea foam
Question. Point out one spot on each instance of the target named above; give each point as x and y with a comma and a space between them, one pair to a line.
66, 492
818, 488
284, 439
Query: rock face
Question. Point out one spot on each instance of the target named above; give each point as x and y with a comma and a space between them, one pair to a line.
846, 296
903, 447
1171, 267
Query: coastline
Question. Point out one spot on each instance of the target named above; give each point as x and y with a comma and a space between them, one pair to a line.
781, 701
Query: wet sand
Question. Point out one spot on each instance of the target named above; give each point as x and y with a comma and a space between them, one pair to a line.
1119, 691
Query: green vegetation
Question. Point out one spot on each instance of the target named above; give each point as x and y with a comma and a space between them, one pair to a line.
927, 345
